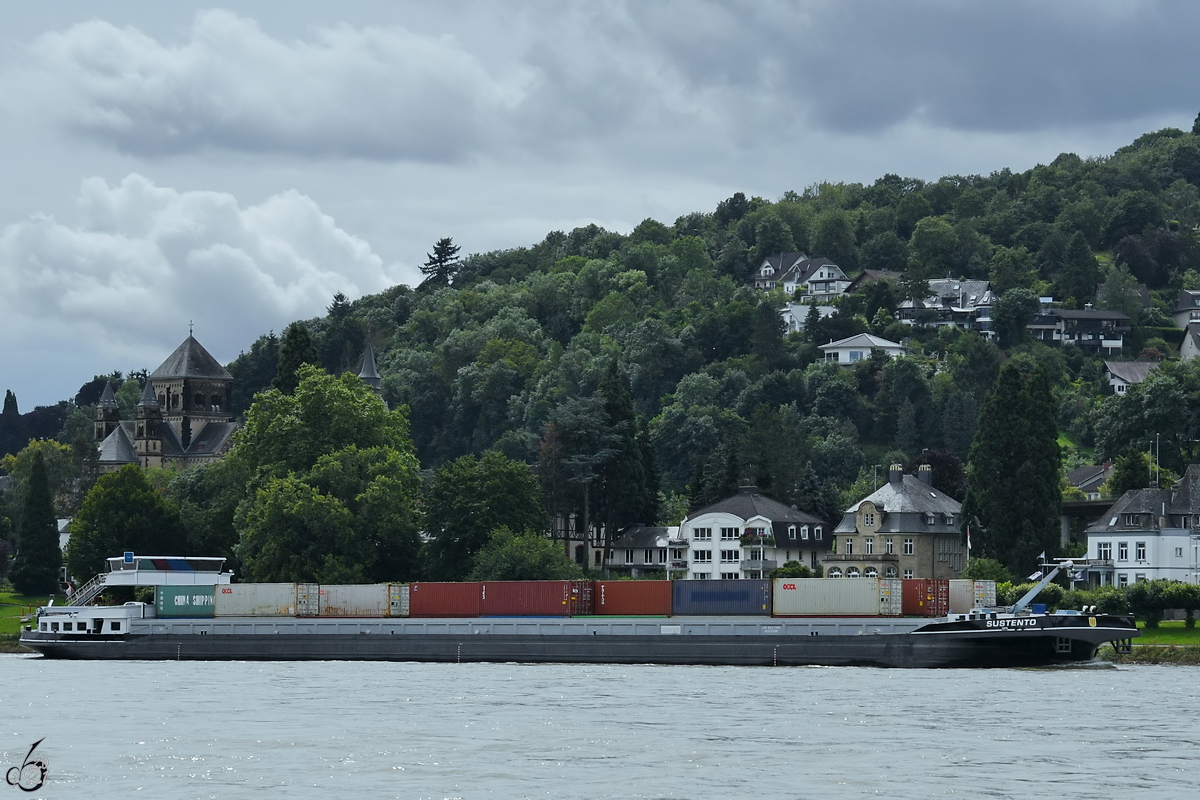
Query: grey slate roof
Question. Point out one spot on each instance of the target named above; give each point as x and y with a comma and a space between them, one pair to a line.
749, 503
1131, 371
107, 400
1087, 313
1088, 478
640, 537
1182, 498
191, 360
861, 340
212, 438
911, 495
117, 447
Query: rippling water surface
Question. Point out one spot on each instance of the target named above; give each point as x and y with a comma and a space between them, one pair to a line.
378, 730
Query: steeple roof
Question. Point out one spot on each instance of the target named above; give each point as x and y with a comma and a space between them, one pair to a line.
107, 400
148, 398
191, 360
369, 374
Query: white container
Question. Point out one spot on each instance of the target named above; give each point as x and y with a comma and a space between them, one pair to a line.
891, 597
255, 600
968, 595
397, 599
354, 600
827, 597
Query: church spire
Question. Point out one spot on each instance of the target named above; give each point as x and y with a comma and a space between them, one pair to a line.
369, 374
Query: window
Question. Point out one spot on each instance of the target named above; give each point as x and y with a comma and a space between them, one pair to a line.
869, 546
1122, 579
909, 547
848, 548
1139, 578
116, 626
1179, 552
856, 355
792, 532
648, 557
755, 554
729, 576
628, 556
731, 556
677, 554
869, 520
54, 626
701, 576
1122, 551
887, 546
817, 533
948, 519
702, 535
804, 532
702, 556
870, 572
1104, 551
662, 556
891, 572
853, 572
929, 519
835, 573
729, 534
908, 573
1131, 520
1140, 553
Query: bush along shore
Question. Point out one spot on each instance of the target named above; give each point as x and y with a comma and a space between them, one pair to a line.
1154, 654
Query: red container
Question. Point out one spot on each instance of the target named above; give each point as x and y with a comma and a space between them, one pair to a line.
535, 598
443, 600
925, 597
633, 598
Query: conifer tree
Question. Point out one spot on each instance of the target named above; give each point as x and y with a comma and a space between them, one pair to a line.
1014, 499
295, 350
442, 264
38, 557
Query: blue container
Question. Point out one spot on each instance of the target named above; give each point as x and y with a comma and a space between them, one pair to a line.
721, 598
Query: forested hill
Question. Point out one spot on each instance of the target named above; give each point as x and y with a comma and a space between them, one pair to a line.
510, 350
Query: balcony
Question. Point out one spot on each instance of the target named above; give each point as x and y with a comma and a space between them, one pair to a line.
759, 565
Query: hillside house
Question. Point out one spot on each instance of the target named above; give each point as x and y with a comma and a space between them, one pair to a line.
1088, 328
951, 302
852, 349
815, 278
1123, 374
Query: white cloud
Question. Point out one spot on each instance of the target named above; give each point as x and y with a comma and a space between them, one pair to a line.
370, 92
145, 260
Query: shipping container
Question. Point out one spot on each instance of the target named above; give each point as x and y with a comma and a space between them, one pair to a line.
535, 598
443, 600
925, 597
633, 598
255, 600
891, 594
721, 598
183, 601
827, 597
968, 595
308, 599
354, 600
397, 600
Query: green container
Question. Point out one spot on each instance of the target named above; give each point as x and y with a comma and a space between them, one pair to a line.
183, 601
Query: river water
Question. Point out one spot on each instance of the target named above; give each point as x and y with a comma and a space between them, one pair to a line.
168, 730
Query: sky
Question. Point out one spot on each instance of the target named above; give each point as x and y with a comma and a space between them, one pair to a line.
169, 164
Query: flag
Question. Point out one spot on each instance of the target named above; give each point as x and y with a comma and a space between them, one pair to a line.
968, 538
1042, 558
1037, 576
1081, 575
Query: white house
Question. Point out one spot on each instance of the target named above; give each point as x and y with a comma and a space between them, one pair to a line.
1190, 347
1149, 534
748, 535
1123, 374
855, 348
817, 278
794, 316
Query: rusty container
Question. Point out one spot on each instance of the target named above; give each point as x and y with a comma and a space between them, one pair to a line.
925, 597
443, 600
535, 598
633, 598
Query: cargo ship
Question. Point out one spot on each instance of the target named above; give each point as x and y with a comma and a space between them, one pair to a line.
200, 614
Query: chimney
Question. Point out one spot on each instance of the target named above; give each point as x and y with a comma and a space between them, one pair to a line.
895, 474
925, 473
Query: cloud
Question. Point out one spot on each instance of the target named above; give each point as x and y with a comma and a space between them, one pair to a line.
146, 260
382, 93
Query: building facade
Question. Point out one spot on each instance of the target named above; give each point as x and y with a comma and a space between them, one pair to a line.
905, 529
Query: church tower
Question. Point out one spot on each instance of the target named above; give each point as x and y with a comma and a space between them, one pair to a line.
147, 440
369, 374
192, 389
108, 415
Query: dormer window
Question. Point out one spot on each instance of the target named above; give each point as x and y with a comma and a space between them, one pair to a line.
804, 532
791, 531
948, 519
1132, 520
929, 519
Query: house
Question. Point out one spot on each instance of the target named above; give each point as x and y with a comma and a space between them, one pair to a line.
1088, 328
182, 418
643, 551
855, 348
1189, 348
1148, 534
815, 278
1123, 374
951, 302
795, 315
748, 535
905, 529
1186, 308
1089, 479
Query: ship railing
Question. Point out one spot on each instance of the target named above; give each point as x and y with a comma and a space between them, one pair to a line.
85, 594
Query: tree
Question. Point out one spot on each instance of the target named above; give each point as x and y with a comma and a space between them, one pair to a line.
987, 569
442, 264
1012, 312
1131, 471
1080, 273
295, 351
38, 557
122, 513
791, 569
524, 556
1013, 500
467, 500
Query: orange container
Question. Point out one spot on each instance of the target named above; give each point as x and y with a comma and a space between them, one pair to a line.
633, 598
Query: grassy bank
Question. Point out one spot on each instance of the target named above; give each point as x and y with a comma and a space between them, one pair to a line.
1169, 643
12, 608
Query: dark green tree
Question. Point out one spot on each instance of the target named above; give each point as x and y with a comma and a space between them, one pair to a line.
1080, 272
1013, 500
987, 569
295, 351
524, 556
38, 557
768, 336
622, 496
1130, 471
467, 500
1013, 311
442, 264
123, 512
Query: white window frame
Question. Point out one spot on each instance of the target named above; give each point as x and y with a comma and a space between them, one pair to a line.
869, 546
1139, 552
910, 547
729, 534
702, 556
702, 534
888, 546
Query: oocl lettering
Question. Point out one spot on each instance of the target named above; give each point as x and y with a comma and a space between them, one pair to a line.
788, 586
